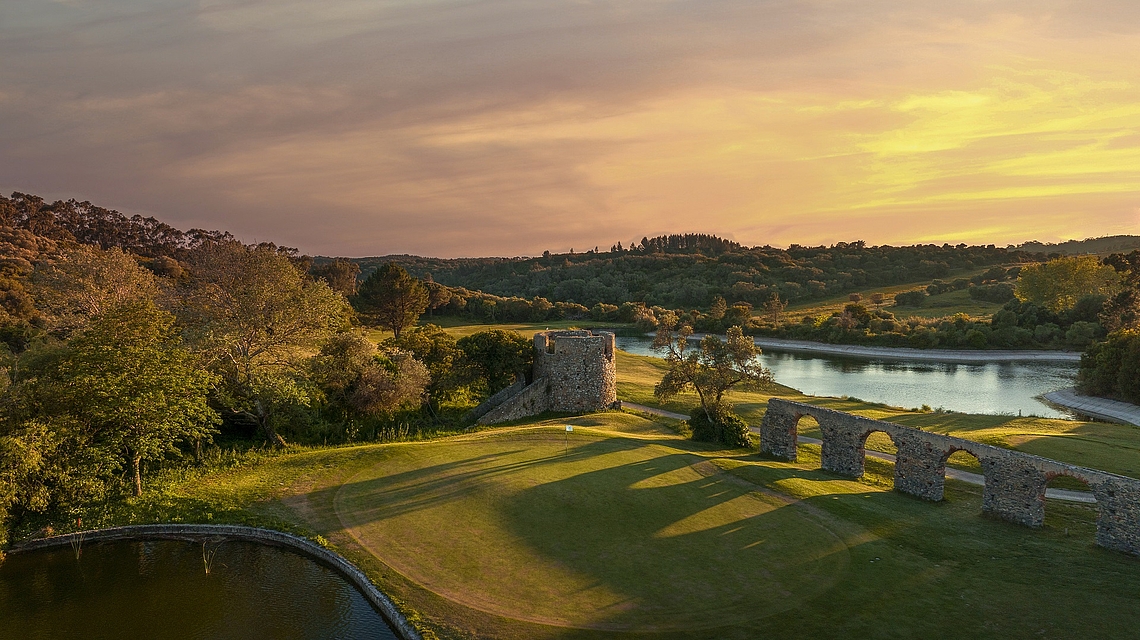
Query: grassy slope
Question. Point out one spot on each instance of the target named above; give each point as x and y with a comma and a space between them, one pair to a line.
946, 304
625, 527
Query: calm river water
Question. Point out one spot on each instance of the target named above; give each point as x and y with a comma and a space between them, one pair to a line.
160, 591
993, 388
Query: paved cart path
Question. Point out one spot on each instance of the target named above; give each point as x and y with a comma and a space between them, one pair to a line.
1096, 407
956, 474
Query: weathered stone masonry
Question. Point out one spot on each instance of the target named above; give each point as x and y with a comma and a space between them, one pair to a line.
1014, 481
573, 372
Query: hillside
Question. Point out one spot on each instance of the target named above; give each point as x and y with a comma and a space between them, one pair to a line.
676, 273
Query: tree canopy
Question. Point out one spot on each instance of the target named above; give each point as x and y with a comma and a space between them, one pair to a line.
395, 298
1059, 283
500, 356
711, 369
256, 318
128, 384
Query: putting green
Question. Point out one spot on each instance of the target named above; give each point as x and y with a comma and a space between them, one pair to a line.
589, 530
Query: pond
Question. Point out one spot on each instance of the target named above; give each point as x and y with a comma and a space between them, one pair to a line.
160, 591
991, 388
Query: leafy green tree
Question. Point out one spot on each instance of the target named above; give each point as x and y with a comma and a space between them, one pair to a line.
738, 315
394, 380
340, 274
394, 297
440, 353
360, 379
711, 369
774, 307
85, 282
1059, 283
131, 385
1122, 311
499, 357
1112, 368
718, 308
258, 319
438, 295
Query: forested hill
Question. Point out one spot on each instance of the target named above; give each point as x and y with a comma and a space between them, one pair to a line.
1101, 246
673, 271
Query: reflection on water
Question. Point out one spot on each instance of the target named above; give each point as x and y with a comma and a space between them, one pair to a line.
159, 590
993, 388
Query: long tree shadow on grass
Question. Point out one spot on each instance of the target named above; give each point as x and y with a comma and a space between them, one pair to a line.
618, 534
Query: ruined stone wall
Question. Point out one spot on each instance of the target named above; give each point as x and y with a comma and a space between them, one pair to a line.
531, 401
1014, 481
495, 401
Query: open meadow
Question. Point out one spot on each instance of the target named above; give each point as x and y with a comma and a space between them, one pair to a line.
622, 528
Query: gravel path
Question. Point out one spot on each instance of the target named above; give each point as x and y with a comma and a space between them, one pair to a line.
956, 474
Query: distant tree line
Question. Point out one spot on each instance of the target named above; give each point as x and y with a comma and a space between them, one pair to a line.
691, 271
1058, 304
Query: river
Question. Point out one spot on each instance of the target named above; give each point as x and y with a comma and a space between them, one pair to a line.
1006, 388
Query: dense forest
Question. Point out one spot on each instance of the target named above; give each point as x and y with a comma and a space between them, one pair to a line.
691, 271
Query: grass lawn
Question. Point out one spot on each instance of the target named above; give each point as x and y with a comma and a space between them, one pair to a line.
623, 529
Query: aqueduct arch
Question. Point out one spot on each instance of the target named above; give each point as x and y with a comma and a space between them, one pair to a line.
1015, 482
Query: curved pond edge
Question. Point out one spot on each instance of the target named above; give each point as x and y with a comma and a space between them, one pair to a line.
1103, 408
379, 601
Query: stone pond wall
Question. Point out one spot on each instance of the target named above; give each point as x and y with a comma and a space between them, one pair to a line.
573, 373
1014, 481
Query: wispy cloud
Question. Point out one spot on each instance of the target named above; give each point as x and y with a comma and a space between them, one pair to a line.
456, 128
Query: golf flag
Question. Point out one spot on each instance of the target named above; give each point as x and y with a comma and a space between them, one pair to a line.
569, 427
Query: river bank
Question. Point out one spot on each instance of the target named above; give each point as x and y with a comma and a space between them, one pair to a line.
951, 356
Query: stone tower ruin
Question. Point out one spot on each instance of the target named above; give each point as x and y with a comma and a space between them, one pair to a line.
573, 373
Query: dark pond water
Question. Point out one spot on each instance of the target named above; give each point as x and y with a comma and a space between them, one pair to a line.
991, 388
160, 591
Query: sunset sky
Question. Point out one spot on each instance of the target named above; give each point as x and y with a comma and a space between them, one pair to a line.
467, 128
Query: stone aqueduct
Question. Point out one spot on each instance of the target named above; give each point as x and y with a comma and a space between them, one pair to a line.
1014, 482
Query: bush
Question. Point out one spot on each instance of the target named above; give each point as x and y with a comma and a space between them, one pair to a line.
910, 298
1000, 293
603, 311
1082, 334
728, 428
